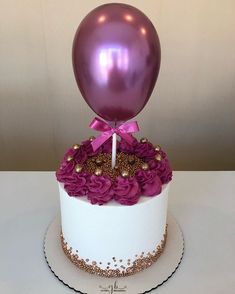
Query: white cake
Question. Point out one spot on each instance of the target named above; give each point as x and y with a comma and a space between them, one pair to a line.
113, 239
113, 220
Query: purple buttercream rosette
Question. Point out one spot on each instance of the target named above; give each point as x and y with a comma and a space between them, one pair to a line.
125, 190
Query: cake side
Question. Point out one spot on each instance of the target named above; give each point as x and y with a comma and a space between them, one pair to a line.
113, 239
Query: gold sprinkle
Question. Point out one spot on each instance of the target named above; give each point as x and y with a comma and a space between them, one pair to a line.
122, 164
69, 158
138, 265
131, 159
98, 161
158, 157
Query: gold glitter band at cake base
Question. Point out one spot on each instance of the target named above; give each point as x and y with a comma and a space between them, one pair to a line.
137, 265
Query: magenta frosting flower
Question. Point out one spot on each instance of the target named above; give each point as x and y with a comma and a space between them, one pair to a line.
81, 155
99, 191
77, 186
126, 191
162, 167
150, 182
64, 173
126, 147
87, 147
145, 151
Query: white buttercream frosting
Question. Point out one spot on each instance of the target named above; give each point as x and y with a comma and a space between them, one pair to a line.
113, 235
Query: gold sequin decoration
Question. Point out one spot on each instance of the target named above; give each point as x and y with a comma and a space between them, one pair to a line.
136, 266
103, 160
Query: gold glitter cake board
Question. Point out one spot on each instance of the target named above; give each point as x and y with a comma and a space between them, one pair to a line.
143, 282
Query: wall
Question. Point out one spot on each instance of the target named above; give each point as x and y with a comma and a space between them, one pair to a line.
191, 112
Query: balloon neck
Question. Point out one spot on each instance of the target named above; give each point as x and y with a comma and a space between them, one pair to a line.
115, 124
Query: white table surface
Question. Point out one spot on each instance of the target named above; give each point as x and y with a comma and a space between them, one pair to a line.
202, 202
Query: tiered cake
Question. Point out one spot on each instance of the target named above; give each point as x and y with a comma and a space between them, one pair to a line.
114, 220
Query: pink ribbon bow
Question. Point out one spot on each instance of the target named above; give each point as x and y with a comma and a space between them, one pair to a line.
107, 131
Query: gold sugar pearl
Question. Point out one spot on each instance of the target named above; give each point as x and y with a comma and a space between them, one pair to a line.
157, 148
99, 162
92, 138
116, 167
69, 158
131, 159
143, 140
76, 146
158, 157
145, 166
125, 174
78, 168
98, 172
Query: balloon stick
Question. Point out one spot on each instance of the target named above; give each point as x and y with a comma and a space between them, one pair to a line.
114, 149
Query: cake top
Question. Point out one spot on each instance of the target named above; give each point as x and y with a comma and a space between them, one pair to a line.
141, 170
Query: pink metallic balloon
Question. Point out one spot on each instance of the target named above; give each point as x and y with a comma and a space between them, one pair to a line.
116, 60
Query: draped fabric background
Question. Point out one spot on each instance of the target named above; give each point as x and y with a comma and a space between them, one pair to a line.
191, 113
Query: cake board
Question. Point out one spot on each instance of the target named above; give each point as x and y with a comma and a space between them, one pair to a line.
139, 283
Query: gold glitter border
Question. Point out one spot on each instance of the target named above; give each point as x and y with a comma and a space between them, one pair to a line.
138, 264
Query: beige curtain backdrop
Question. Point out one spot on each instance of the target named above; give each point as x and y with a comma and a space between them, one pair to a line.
190, 113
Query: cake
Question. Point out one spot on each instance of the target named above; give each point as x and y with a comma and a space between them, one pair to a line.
113, 193
113, 221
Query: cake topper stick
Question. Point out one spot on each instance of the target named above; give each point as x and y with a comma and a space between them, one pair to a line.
114, 149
